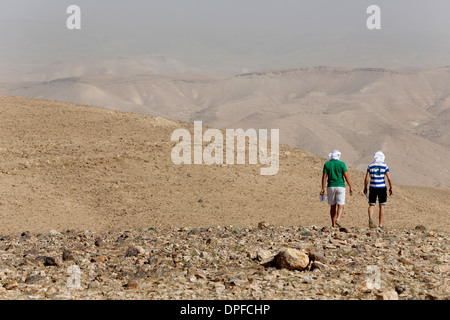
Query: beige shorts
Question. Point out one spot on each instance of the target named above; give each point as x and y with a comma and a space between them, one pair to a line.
336, 195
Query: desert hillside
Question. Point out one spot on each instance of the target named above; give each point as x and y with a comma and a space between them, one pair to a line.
66, 166
318, 109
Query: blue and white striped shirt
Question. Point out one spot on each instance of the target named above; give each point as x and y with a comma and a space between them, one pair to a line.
377, 172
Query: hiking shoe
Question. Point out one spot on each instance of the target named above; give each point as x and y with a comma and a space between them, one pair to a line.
371, 224
339, 224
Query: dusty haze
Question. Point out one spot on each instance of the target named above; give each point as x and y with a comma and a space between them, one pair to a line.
227, 37
252, 64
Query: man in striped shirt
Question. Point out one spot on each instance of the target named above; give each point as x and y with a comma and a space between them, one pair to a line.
376, 173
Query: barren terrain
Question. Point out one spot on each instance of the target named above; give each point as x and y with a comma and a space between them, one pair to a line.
225, 263
92, 207
66, 166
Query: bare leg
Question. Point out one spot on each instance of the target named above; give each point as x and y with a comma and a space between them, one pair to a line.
381, 217
340, 211
370, 210
333, 214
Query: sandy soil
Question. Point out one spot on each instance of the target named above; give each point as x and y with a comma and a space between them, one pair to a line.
66, 166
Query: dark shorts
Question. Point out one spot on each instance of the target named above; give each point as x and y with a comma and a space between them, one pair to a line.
380, 193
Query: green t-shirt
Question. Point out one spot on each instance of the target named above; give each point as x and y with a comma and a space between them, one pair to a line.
335, 170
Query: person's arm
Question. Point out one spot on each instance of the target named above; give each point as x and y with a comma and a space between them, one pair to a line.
324, 182
347, 178
388, 176
366, 182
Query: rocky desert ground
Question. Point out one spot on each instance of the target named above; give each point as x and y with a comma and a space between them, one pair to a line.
227, 263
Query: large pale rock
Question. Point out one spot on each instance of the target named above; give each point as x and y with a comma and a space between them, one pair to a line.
291, 259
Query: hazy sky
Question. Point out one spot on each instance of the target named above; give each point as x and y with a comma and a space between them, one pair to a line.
276, 33
398, 15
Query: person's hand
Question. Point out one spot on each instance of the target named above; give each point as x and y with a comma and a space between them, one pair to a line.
351, 191
322, 192
365, 191
391, 192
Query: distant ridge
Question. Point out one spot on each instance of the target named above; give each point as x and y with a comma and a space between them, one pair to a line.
357, 110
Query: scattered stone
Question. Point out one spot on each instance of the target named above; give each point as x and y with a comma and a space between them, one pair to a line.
152, 260
315, 255
67, 255
35, 279
140, 250
226, 263
263, 225
441, 268
99, 259
387, 295
10, 285
405, 261
132, 285
352, 265
51, 291
431, 296
195, 231
94, 285
263, 255
365, 287
344, 229
320, 266
420, 228
337, 262
399, 289
132, 252
50, 262
432, 234
54, 233
26, 235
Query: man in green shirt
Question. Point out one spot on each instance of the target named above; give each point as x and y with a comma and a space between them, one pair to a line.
334, 172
